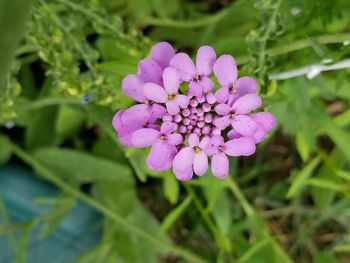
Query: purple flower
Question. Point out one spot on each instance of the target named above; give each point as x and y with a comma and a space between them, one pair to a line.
192, 158
225, 70
236, 115
196, 75
169, 94
163, 144
185, 130
242, 146
125, 122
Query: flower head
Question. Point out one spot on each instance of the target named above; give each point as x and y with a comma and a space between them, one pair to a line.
186, 129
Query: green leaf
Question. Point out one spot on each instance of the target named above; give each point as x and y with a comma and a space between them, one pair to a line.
171, 187
323, 197
300, 179
302, 145
5, 149
326, 184
13, 17
69, 120
41, 130
329, 127
82, 166
175, 214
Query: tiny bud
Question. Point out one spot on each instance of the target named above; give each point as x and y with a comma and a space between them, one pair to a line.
182, 129
200, 112
186, 112
193, 102
201, 99
186, 121
193, 122
197, 131
210, 98
201, 124
201, 118
208, 118
189, 128
206, 129
167, 117
206, 107
193, 110
177, 118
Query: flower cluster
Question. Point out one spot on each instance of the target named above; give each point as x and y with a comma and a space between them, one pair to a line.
184, 128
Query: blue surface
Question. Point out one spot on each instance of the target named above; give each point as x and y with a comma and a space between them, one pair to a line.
78, 231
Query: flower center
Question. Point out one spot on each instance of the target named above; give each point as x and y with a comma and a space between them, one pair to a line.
171, 96
163, 138
232, 89
198, 77
232, 115
196, 149
221, 149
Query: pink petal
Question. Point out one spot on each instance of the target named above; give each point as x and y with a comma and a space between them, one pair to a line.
161, 155
168, 127
193, 140
225, 70
172, 107
205, 60
132, 86
220, 165
175, 139
195, 89
171, 80
124, 133
232, 134
150, 71
136, 116
184, 175
222, 122
200, 163
267, 119
246, 85
222, 94
145, 137
244, 125
211, 150
182, 100
259, 134
184, 64
206, 83
247, 103
157, 111
155, 92
204, 143
243, 146
183, 159
222, 109
162, 53
217, 140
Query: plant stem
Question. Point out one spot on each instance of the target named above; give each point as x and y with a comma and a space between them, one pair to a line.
47, 174
220, 239
298, 45
248, 209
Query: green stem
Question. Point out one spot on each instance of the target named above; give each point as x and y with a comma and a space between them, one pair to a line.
248, 209
103, 209
186, 24
220, 239
300, 44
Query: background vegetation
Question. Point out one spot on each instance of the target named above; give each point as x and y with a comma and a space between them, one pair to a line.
288, 203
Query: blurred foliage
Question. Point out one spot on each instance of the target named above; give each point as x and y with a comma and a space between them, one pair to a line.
289, 203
